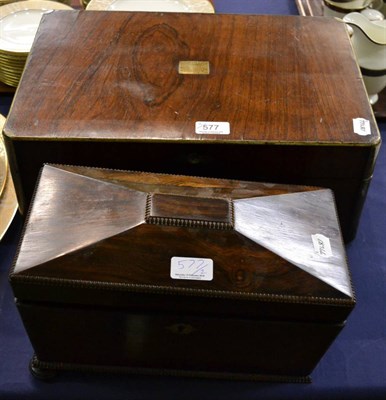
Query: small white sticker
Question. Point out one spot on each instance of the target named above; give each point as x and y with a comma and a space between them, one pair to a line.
361, 126
190, 268
212, 128
322, 245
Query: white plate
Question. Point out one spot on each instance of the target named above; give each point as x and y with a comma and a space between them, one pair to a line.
8, 201
19, 22
3, 159
194, 6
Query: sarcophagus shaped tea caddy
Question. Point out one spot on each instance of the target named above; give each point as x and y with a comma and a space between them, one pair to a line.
140, 272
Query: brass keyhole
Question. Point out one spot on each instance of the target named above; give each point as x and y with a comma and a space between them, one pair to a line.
181, 329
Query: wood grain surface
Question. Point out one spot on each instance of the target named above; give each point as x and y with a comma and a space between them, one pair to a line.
314, 8
91, 270
125, 84
265, 247
110, 95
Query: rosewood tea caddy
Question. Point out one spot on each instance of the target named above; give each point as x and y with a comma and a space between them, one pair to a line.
149, 273
251, 97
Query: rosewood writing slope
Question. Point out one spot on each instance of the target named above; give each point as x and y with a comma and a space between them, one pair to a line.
253, 97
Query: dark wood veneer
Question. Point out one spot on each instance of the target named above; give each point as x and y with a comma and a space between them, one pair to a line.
110, 95
94, 266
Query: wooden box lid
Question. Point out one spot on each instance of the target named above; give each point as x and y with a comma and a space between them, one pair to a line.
156, 76
112, 237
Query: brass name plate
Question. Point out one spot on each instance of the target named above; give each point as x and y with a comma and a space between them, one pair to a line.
193, 67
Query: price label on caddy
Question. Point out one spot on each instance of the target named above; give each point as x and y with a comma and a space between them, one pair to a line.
191, 268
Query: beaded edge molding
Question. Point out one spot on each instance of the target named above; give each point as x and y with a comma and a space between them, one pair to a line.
185, 222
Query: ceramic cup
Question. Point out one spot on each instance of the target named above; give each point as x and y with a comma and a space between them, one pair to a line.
339, 8
369, 44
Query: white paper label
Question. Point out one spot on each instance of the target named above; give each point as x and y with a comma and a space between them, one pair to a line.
212, 128
361, 126
322, 245
197, 269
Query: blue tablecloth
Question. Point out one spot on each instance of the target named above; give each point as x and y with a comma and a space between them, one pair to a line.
353, 368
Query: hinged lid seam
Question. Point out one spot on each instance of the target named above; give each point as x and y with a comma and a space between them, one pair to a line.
156, 289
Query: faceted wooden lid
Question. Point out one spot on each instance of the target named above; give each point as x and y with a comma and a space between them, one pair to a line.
154, 233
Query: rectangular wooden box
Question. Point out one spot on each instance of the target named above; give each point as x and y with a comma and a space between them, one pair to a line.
264, 98
138, 272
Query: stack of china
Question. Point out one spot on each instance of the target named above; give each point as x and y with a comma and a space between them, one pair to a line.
4, 2
339, 8
195, 6
368, 36
19, 22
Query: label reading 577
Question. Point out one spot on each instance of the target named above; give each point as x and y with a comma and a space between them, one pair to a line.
191, 268
212, 128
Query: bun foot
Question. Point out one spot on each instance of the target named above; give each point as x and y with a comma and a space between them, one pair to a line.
40, 373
